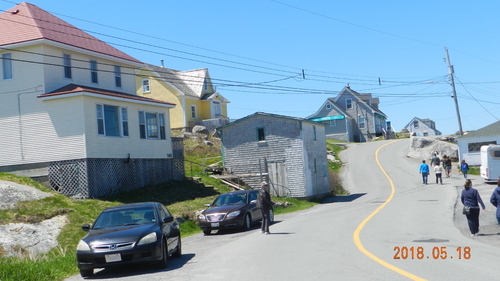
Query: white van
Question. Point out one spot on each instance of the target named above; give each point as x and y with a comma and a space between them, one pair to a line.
490, 162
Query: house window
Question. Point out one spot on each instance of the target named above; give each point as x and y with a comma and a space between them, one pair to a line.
426, 134
476, 146
145, 86
328, 106
151, 125
415, 124
333, 123
110, 122
216, 109
124, 121
7, 66
93, 71
193, 111
361, 122
314, 132
161, 120
348, 103
118, 76
205, 85
261, 136
67, 66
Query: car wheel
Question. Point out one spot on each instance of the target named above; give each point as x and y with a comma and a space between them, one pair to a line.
163, 262
271, 216
247, 223
86, 272
207, 231
178, 250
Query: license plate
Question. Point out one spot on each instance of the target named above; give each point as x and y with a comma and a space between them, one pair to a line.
113, 258
214, 224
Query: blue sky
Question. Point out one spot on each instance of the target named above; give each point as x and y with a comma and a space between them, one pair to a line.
256, 51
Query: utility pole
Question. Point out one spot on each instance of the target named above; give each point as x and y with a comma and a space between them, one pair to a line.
451, 71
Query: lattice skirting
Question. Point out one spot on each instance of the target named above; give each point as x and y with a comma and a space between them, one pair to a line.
93, 178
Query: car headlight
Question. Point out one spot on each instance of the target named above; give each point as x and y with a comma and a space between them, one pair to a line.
233, 214
82, 246
150, 238
201, 217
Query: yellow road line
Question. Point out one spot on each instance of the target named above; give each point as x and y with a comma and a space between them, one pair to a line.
357, 241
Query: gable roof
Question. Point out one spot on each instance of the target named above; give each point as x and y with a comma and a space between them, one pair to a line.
490, 130
362, 99
32, 23
72, 89
330, 101
269, 115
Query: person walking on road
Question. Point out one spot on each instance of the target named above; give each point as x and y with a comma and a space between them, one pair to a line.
447, 166
264, 203
471, 198
495, 200
464, 167
435, 160
424, 170
438, 170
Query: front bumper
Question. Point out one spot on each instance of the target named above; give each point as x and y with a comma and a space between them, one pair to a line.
143, 253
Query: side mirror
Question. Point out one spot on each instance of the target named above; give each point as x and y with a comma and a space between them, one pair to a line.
85, 227
207, 205
168, 219
253, 202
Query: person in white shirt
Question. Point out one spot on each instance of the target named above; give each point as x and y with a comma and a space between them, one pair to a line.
438, 170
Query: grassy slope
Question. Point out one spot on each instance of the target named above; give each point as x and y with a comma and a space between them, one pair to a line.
182, 198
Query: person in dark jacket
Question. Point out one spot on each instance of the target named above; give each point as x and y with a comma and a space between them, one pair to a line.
495, 200
471, 198
265, 204
464, 167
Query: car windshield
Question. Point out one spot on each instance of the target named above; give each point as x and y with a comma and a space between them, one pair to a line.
230, 199
129, 216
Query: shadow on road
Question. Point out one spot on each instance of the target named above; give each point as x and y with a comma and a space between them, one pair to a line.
140, 269
346, 198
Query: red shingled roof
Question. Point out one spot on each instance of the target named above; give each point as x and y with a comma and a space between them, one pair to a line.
27, 22
73, 88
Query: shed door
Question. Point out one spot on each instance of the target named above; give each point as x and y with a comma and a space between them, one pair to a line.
278, 185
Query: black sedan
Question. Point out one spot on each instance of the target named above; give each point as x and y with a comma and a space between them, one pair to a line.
140, 232
237, 209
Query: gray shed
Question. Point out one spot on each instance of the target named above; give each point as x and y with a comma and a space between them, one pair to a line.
288, 152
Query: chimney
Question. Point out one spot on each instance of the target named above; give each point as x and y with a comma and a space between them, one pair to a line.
161, 63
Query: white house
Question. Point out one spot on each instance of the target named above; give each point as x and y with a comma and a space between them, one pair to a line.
69, 112
422, 127
469, 145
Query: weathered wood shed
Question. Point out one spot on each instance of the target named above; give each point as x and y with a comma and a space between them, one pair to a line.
288, 152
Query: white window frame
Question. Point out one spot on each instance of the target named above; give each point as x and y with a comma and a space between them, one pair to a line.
94, 77
348, 103
333, 123
121, 123
194, 112
146, 86
7, 71
152, 125
361, 122
118, 76
328, 106
67, 66
217, 109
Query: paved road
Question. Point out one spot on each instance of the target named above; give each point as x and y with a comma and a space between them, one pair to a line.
352, 237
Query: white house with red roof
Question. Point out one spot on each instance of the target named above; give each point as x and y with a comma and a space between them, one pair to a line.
69, 111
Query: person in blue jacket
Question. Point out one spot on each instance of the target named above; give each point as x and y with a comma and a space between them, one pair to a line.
495, 200
471, 198
464, 167
424, 170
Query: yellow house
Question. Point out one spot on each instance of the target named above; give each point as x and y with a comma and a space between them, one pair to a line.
197, 102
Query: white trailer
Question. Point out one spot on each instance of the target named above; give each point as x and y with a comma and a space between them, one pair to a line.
490, 162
